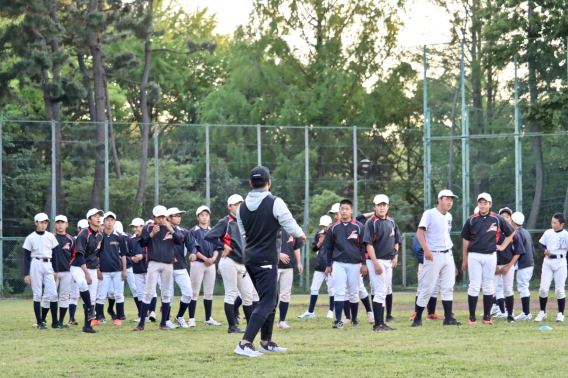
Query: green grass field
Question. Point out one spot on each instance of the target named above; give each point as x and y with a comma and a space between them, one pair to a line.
316, 350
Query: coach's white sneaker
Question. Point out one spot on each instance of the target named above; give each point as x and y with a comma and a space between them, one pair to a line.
271, 346
501, 315
171, 325
540, 317
329, 314
307, 314
247, 350
370, 317
191, 323
523, 316
212, 322
282, 325
560, 317
181, 322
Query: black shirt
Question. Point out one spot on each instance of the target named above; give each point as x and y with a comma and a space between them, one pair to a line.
346, 242
110, 255
321, 258
515, 247
135, 248
63, 252
227, 230
87, 244
203, 246
382, 234
161, 246
189, 243
289, 245
483, 232
526, 260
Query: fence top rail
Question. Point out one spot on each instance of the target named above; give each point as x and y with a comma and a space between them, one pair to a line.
405, 234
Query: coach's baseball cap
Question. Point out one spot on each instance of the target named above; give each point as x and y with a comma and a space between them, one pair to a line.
94, 211
506, 210
159, 211
325, 220
174, 210
109, 214
260, 174
41, 217
235, 198
118, 227
137, 222
201, 209
518, 218
485, 196
334, 208
381, 198
61, 218
446, 193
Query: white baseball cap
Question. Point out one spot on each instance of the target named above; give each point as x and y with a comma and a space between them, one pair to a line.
159, 211
235, 198
94, 211
137, 222
118, 227
149, 221
476, 210
201, 209
485, 196
41, 217
62, 218
446, 193
109, 214
325, 220
518, 218
381, 198
334, 208
174, 210
83, 223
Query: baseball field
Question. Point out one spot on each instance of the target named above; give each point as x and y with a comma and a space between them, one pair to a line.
315, 349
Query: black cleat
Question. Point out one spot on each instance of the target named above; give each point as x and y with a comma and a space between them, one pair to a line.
387, 328
389, 319
73, 322
511, 320
451, 321
235, 329
138, 328
237, 320
123, 317
355, 323
416, 323
338, 324
102, 319
59, 325
42, 326
91, 314
89, 330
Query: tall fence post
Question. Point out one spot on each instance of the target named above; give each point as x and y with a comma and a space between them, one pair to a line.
465, 149
53, 178
427, 160
207, 167
518, 149
355, 170
426, 132
1, 218
258, 146
403, 246
107, 186
306, 255
156, 168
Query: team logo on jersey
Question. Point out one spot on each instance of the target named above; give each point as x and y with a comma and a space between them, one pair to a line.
66, 246
493, 227
354, 235
99, 246
291, 239
392, 232
168, 236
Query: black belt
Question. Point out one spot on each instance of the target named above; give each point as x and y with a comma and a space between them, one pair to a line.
43, 259
556, 256
446, 251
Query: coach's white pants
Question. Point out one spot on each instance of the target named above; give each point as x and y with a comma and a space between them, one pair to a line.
41, 273
285, 277
79, 277
420, 274
158, 271
440, 271
346, 280
202, 273
380, 282
114, 280
132, 282
523, 281
318, 279
481, 267
64, 284
553, 269
506, 280
181, 278
235, 275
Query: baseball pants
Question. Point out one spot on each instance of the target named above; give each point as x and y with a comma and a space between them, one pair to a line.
346, 279
201, 273
235, 275
41, 274
317, 281
254, 292
481, 267
553, 269
362, 289
158, 271
420, 274
285, 277
523, 281
499, 292
181, 278
64, 283
506, 280
79, 277
114, 280
440, 271
380, 283
140, 279
132, 282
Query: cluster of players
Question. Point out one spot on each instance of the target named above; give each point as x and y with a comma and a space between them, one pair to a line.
95, 264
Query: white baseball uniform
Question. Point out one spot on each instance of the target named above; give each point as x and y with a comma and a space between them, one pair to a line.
41, 270
554, 268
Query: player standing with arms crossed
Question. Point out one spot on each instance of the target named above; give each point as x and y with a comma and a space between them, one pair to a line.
289, 255
434, 237
525, 266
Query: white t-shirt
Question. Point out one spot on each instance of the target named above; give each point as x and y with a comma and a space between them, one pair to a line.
40, 245
555, 242
438, 227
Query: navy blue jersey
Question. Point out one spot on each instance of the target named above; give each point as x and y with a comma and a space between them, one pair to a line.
135, 248
417, 249
161, 246
321, 263
86, 248
110, 255
289, 245
203, 246
483, 232
383, 235
227, 230
527, 259
62, 252
515, 247
189, 244
345, 239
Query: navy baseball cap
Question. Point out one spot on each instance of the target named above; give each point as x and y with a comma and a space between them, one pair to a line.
260, 174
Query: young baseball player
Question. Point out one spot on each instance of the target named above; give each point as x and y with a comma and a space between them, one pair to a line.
319, 272
81, 225
506, 261
160, 238
38, 270
525, 266
343, 244
65, 283
203, 268
112, 269
554, 244
119, 228
226, 235
289, 256
480, 234
382, 238
434, 237
364, 295
84, 265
